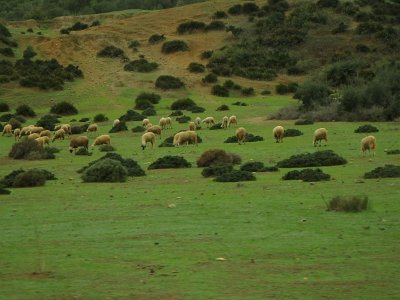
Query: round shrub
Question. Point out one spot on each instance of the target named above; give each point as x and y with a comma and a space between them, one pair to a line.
111, 51
392, 152
141, 65
183, 119
196, 109
182, 104
138, 129
304, 122
4, 191
210, 78
217, 126
348, 203
143, 104
206, 54
249, 7
235, 10
29, 149
131, 115
215, 25
220, 14
25, 110
217, 156
307, 175
253, 166
83, 151
220, 91
84, 120
151, 97
100, 118
15, 123
170, 162
366, 129
105, 170
6, 117
8, 180
190, 26
250, 138
388, 171
238, 103
281, 89
292, 132
64, 108
156, 38
316, 159
167, 82
4, 107
106, 148
196, 68
216, 170
30, 178
235, 176
48, 122
176, 113
134, 44
121, 126
223, 107
248, 91
148, 112
174, 46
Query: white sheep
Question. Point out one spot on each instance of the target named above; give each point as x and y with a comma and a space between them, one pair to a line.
197, 121
104, 139
25, 131
319, 135
33, 136
162, 123
59, 135
43, 140
92, 128
116, 122
78, 141
16, 133
169, 122
66, 128
148, 137
184, 137
192, 126
7, 130
368, 143
46, 133
155, 129
145, 122
278, 133
241, 135
224, 124
35, 129
232, 120
209, 121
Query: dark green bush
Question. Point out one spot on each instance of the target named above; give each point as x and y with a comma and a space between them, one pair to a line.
348, 203
207, 54
143, 104
167, 82
156, 38
105, 170
328, 3
313, 94
219, 91
368, 28
83, 151
134, 44
196, 109
170, 162
78, 26
77, 129
4, 191
223, 107
6, 117
190, 26
281, 89
215, 25
367, 128
146, 100
174, 46
239, 103
30, 178
8, 180
176, 113
210, 78
316, 159
100, 118
121, 126
304, 122
292, 132
15, 123
131, 115
25, 110
196, 68
253, 166
106, 148
64, 31
235, 176
248, 91
391, 152
141, 65
4, 107
111, 51
4, 31
217, 126
249, 7
250, 138
217, 156
388, 171
235, 10
29, 149
307, 175
48, 122
148, 112
95, 23
183, 119
7, 52
64, 108
220, 14
342, 27
182, 104
138, 129
216, 170
84, 119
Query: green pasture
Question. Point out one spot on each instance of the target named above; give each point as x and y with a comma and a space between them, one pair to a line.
265, 239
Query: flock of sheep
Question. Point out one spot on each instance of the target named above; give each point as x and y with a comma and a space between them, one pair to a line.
43, 136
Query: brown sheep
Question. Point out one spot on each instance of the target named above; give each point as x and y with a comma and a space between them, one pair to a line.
7, 130
184, 137
104, 139
25, 131
368, 143
192, 126
116, 122
319, 135
148, 137
92, 128
278, 133
232, 120
46, 133
241, 135
155, 129
33, 136
58, 135
78, 141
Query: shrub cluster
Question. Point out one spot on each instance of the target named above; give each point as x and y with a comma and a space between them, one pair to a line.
217, 156
77, 27
292, 132
348, 203
248, 91
196, 67
112, 52
257, 166
217, 170
146, 100
239, 103
176, 113
105, 170
138, 129
64, 108
121, 126
141, 65
174, 46
131, 115
156, 38
25, 110
210, 78
183, 104
149, 112
190, 26
220, 91
235, 176
307, 175
250, 138
387, 171
316, 159
366, 129
391, 152
222, 107
283, 89
29, 178
170, 162
304, 122
217, 126
220, 14
31, 150
167, 82
183, 119
4, 107
206, 54
100, 118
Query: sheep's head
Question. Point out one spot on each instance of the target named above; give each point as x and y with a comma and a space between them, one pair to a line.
71, 149
143, 147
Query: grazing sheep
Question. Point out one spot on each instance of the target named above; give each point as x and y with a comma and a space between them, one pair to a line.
278, 133
35, 129
149, 125
209, 121
104, 139
197, 121
25, 131
78, 141
184, 137
225, 122
43, 140
17, 132
192, 126
232, 120
368, 143
46, 133
33, 136
145, 122
116, 122
169, 122
162, 123
154, 129
319, 135
66, 128
148, 137
92, 128
7, 130
58, 135
241, 135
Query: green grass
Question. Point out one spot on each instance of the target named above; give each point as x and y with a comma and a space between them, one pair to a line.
89, 240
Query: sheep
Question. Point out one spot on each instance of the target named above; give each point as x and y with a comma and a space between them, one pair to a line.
154, 129
232, 120
16, 132
78, 141
33, 136
45, 133
66, 128
192, 126
162, 123
319, 135
149, 125
169, 122
35, 129
104, 139
209, 121
25, 131
145, 122
278, 133
116, 122
148, 137
7, 130
184, 137
197, 121
43, 140
225, 122
241, 135
368, 143
92, 128
58, 135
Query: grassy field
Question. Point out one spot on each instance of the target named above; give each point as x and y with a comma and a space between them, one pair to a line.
76, 240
